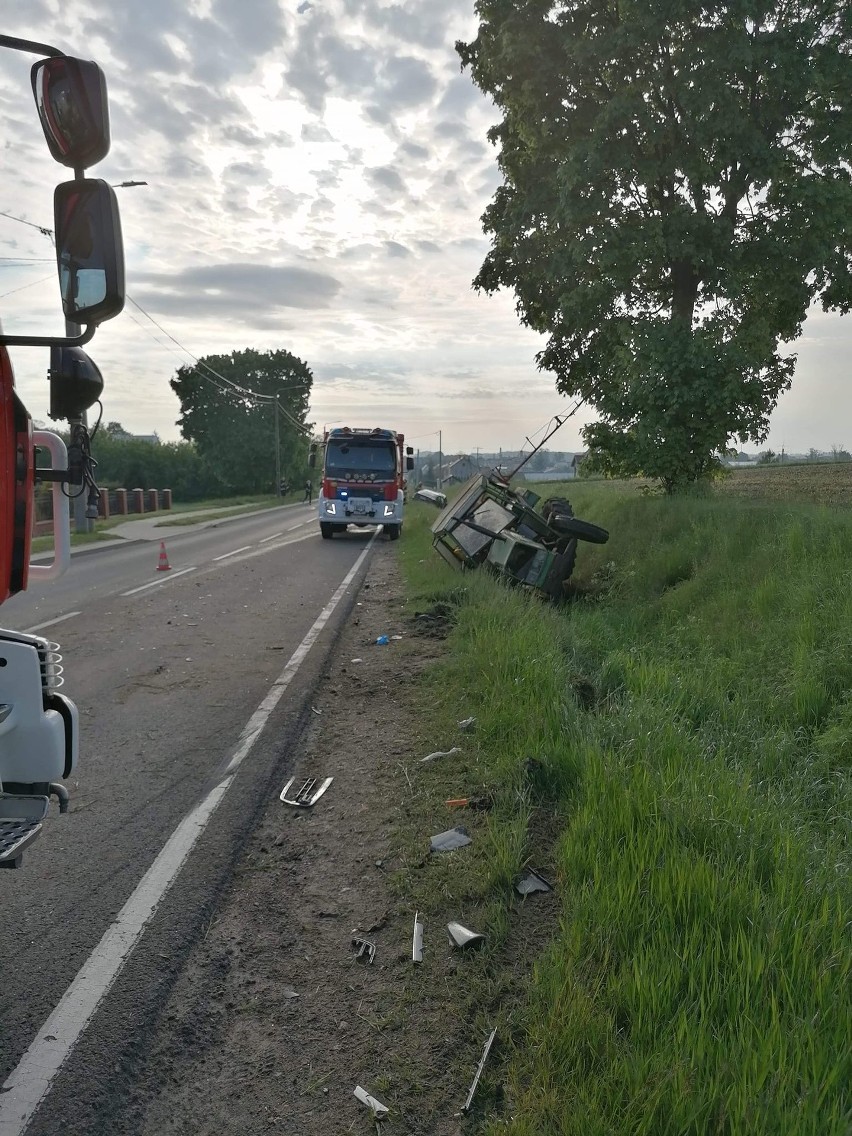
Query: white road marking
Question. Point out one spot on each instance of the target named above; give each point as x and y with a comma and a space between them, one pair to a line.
50, 623
27, 1086
158, 583
274, 535
225, 555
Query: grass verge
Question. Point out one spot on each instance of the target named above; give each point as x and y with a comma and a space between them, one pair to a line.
686, 726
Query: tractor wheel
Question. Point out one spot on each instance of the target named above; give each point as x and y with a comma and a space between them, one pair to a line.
583, 530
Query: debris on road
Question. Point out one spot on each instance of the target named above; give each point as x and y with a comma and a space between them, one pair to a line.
382, 641
376, 1107
532, 881
463, 937
440, 753
480, 1067
308, 793
365, 951
448, 841
417, 942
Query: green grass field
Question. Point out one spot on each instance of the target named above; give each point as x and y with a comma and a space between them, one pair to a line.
686, 722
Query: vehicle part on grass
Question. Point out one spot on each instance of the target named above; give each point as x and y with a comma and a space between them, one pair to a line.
308, 793
365, 951
463, 937
457, 802
376, 1107
491, 524
440, 753
432, 497
448, 841
480, 1067
382, 641
467, 724
417, 940
530, 882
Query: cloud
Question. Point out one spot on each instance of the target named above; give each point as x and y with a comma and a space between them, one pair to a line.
209, 291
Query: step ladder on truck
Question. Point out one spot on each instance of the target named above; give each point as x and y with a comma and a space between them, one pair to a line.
363, 478
39, 732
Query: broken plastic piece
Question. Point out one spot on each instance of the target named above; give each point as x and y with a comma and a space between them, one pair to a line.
376, 1106
531, 882
382, 641
467, 724
308, 793
440, 753
457, 802
463, 937
417, 945
480, 1067
365, 951
451, 839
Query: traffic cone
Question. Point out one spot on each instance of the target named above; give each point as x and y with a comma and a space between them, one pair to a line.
163, 565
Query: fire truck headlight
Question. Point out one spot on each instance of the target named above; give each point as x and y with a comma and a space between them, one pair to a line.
330, 507
389, 510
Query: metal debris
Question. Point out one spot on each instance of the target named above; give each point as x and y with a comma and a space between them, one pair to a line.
308, 793
463, 937
480, 1067
447, 841
441, 753
376, 1107
417, 944
365, 951
532, 881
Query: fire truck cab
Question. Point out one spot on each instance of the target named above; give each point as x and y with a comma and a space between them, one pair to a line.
363, 479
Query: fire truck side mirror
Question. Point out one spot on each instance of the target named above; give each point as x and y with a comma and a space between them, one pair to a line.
71, 99
89, 251
409, 463
409, 451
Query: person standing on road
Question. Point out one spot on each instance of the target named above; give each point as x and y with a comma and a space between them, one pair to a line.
309, 491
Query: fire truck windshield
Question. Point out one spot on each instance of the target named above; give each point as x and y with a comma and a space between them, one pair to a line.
345, 455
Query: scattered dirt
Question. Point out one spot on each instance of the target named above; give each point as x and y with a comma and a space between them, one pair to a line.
273, 1021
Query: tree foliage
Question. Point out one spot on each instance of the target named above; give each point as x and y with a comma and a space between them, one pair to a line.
233, 431
676, 194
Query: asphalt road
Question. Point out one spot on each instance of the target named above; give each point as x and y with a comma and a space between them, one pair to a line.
166, 669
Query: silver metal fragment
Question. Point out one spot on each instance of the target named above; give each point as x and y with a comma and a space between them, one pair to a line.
463, 937
417, 943
451, 839
480, 1067
308, 793
532, 881
365, 951
378, 1109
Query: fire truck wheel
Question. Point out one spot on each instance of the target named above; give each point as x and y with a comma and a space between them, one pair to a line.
327, 530
393, 531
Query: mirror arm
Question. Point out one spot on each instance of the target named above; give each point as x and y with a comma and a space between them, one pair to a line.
30, 45
48, 340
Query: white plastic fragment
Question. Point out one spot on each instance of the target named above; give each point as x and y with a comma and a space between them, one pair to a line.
448, 841
440, 753
417, 944
376, 1106
467, 724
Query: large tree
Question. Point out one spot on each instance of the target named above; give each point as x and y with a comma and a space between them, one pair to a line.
233, 429
676, 194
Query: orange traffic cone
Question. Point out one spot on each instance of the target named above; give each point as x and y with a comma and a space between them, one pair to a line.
163, 565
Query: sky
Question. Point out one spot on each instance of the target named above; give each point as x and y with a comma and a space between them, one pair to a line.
317, 171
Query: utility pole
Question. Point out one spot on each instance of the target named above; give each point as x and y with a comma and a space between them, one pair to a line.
277, 449
440, 460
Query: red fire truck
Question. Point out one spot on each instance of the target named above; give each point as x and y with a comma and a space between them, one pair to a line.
38, 725
363, 478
